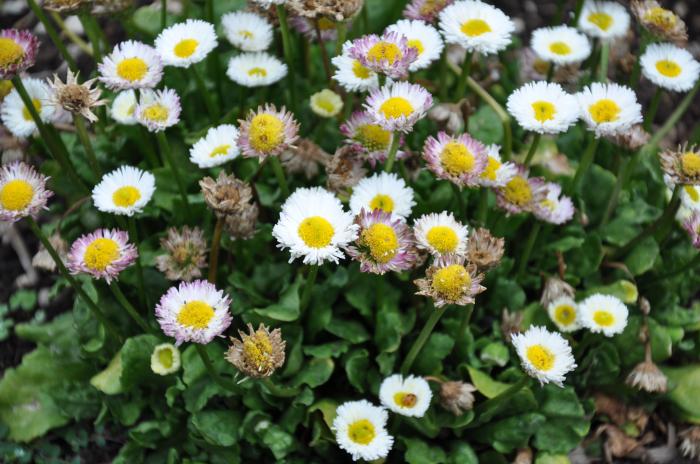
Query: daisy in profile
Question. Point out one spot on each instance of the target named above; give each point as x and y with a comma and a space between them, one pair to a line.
476, 26
560, 45
543, 107
521, 193
158, 110
383, 244
603, 313
131, 65
670, 67
255, 69
459, 159
22, 192
441, 234
194, 312
389, 54
398, 107
360, 429
425, 10
17, 118
409, 396
496, 173
351, 74
425, 39
186, 43
247, 31
563, 311
326, 103
103, 254
450, 280
17, 52
165, 359
604, 20
267, 132
124, 191
367, 137
691, 224
123, 108
314, 226
554, 208
682, 165
383, 191
219, 146
544, 355
609, 109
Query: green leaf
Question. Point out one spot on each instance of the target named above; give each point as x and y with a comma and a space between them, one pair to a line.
495, 353
327, 407
485, 385
684, 391
462, 453
419, 452
438, 346
352, 331
314, 373
287, 309
356, 366
279, 441
546, 458
486, 126
642, 257
509, 434
218, 427
136, 360
108, 381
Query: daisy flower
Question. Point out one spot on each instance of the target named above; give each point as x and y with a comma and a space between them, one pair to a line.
662, 23
690, 196
17, 52
17, 118
543, 107
102, 254
425, 39
158, 110
219, 146
425, 10
383, 244
554, 208
603, 313
563, 311
604, 20
561, 45
609, 109
398, 107
360, 429
670, 67
194, 312
521, 193
682, 165
692, 225
459, 159
476, 26
165, 359
351, 74
389, 54
186, 43
259, 353
409, 396
124, 191
441, 234
123, 108
497, 173
255, 69
314, 226
449, 280
368, 137
248, 31
384, 191
326, 103
544, 355
267, 132
22, 192
131, 65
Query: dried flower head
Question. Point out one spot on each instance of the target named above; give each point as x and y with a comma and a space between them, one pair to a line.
682, 165
632, 139
226, 195
648, 377
555, 288
661, 22
304, 158
485, 250
43, 260
425, 10
451, 281
259, 353
690, 442
511, 323
75, 97
451, 117
63, 6
457, 397
338, 10
344, 170
105, 7
243, 224
185, 255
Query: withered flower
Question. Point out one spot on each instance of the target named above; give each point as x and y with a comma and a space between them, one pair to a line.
304, 158
661, 22
555, 288
63, 6
648, 377
242, 225
632, 139
43, 260
337, 10
510, 323
451, 117
259, 353
344, 170
690, 442
226, 195
75, 97
457, 397
185, 254
484, 250
682, 165
449, 280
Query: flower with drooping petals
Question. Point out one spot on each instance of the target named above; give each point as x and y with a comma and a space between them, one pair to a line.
158, 110
22, 192
102, 254
554, 208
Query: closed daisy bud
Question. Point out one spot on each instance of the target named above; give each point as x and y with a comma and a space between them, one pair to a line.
369, 138
603, 313
409, 396
165, 359
158, 110
344, 170
682, 165
604, 20
389, 54
131, 65
103, 254
185, 254
425, 10
457, 397
441, 234
476, 26
17, 52
360, 429
351, 74
544, 355
398, 107
259, 353
459, 159
511, 322
43, 260
326, 103
648, 377
226, 195
521, 193
17, 118
690, 442
555, 288
670, 67
267, 132
564, 312
383, 191
248, 31
661, 22
258, 69
74, 97
305, 158
125, 191
560, 45
485, 250
22, 192
609, 109
450, 281
184, 44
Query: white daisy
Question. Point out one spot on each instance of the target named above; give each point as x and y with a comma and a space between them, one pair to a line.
255, 69
560, 45
399, 106
165, 359
609, 109
103, 254
670, 67
131, 65
158, 110
186, 43
497, 173
360, 429
22, 192
123, 108
17, 118
603, 313
563, 311
690, 197
604, 20
385, 191
409, 396
124, 191
544, 355
476, 26
247, 31
314, 226
351, 74
326, 103
441, 234
543, 107
421, 36
219, 146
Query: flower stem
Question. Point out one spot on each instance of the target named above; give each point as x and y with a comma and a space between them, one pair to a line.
577, 11
163, 13
464, 324
90, 27
214, 253
443, 76
393, 149
288, 55
206, 95
673, 119
626, 168
653, 108
533, 149
466, 71
585, 163
72, 36
279, 173
308, 287
51, 31
164, 148
425, 332
87, 145
206, 360
342, 28
527, 251
604, 60
279, 391
502, 114
133, 234
488, 405
121, 298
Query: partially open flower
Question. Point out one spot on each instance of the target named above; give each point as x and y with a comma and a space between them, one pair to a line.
682, 165
185, 254
457, 397
485, 250
17, 52
165, 359
259, 353
648, 377
450, 281
226, 195
75, 97
304, 158
326, 103
661, 22
344, 169
43, 260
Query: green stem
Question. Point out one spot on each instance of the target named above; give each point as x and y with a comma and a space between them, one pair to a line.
502, 115
622, 174
342, 28
279, 174
121, 298
673, 119
466, 71
72, 36
308, 287
214, 253
443, 76
87, 145
164, 148
51, 32
483, 210
288, 55
163, 13
425, 332
393, 149
527, 251
653, 108
464, 324
134, 236
206, 95
577, 11
89, 26
533, 149
279, 391
604, 61
209, 366
585, 163
636, 70
459, 195
488, 405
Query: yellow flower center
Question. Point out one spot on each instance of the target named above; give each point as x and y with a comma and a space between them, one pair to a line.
316, 232
126, 196
195, 315
604, 110
565, 314
690, 163
540, 357
266, 132
246, 34
362, 432
405, 399
600, 19
360, 71
661, 17
373, 137
549, 204
101, 253
383, 202
395, 107
517, 191
165, 357
603, 318
16, 195
451, 281
384, 51
325, 104
668, 68
156, 113
456, 158
132, 69
258, 72
257, 349
544, 110
491, 168
185, 48
326, 24
10, 52
559, 48
418, 45
475, 27
25, 111
382, 242
443, 239
692, 192
221, 150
